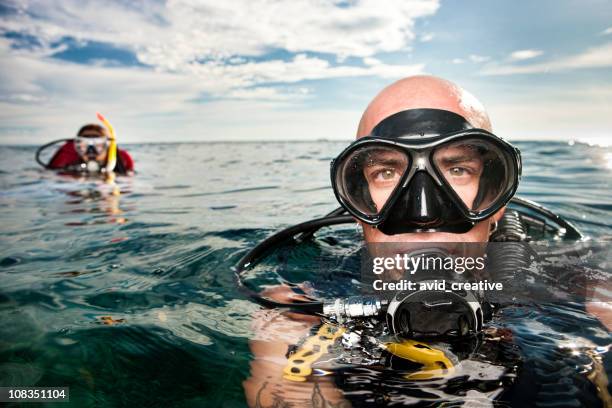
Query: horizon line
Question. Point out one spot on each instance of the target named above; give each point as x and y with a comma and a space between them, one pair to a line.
320, 140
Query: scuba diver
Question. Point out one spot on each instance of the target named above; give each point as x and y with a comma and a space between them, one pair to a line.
425, 168
87, 154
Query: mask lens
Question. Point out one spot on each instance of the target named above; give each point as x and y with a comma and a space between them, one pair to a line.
82, 144
100, 145
367, 176
479, 171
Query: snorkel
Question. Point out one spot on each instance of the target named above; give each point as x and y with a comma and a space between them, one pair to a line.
111, 158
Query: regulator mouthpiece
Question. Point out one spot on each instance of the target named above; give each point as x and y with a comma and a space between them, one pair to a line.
431, 313
93, 166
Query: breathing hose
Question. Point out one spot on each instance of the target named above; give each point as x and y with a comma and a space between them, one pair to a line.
45, 146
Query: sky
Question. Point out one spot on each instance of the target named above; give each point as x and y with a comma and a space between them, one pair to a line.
187, 70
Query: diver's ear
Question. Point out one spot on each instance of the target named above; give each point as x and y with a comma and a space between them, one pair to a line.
369, 232
498, 215
495, 219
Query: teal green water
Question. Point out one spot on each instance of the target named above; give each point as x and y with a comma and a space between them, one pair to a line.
158, 260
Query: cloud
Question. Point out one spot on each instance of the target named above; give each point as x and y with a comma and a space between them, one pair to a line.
300, 68
180, 33
191, 52
215, 78
158, 66
478, 58
607, 31
472, 58
44, 97
561, 115
525, 54
151, 106
595, 57
371, 61
269, 94
427, 37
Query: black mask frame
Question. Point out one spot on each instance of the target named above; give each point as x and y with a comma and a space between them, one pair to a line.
418, 133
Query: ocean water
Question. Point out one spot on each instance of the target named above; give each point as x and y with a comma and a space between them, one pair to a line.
130, 299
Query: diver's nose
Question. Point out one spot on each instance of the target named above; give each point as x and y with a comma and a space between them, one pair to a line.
91, 151
422, 201
424, 206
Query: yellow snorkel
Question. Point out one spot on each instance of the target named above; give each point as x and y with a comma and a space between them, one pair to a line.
111, 158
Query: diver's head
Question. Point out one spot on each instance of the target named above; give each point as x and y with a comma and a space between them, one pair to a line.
426, 166
91, 144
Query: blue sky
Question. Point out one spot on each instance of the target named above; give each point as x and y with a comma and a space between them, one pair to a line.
258, 69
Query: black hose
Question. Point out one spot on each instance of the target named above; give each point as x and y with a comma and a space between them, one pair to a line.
43, 147
308, 234
515, 255
254, 255
571, 232
510, 228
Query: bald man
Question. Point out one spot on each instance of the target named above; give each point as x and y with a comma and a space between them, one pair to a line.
275, 330
425, 168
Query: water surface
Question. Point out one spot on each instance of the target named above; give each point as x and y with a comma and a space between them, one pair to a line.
131, 299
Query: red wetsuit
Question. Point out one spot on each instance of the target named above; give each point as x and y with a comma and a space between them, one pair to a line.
67, 156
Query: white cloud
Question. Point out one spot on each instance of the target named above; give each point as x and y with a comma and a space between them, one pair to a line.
478, 58
268, 94
178, 34
525, 54
194, 51
595, 57
212, 77
206, 60
548, 110
555, 118
371, 61
427, 37
472, 58
50, 96
607, 31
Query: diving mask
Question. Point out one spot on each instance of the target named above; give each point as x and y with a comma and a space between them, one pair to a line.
90, 146
425, 170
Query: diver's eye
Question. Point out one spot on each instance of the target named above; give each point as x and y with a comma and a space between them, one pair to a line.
458, 171
384, 175
460, 176
387, 174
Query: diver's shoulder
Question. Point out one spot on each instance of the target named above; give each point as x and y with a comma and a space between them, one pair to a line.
126, 159
64, 156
